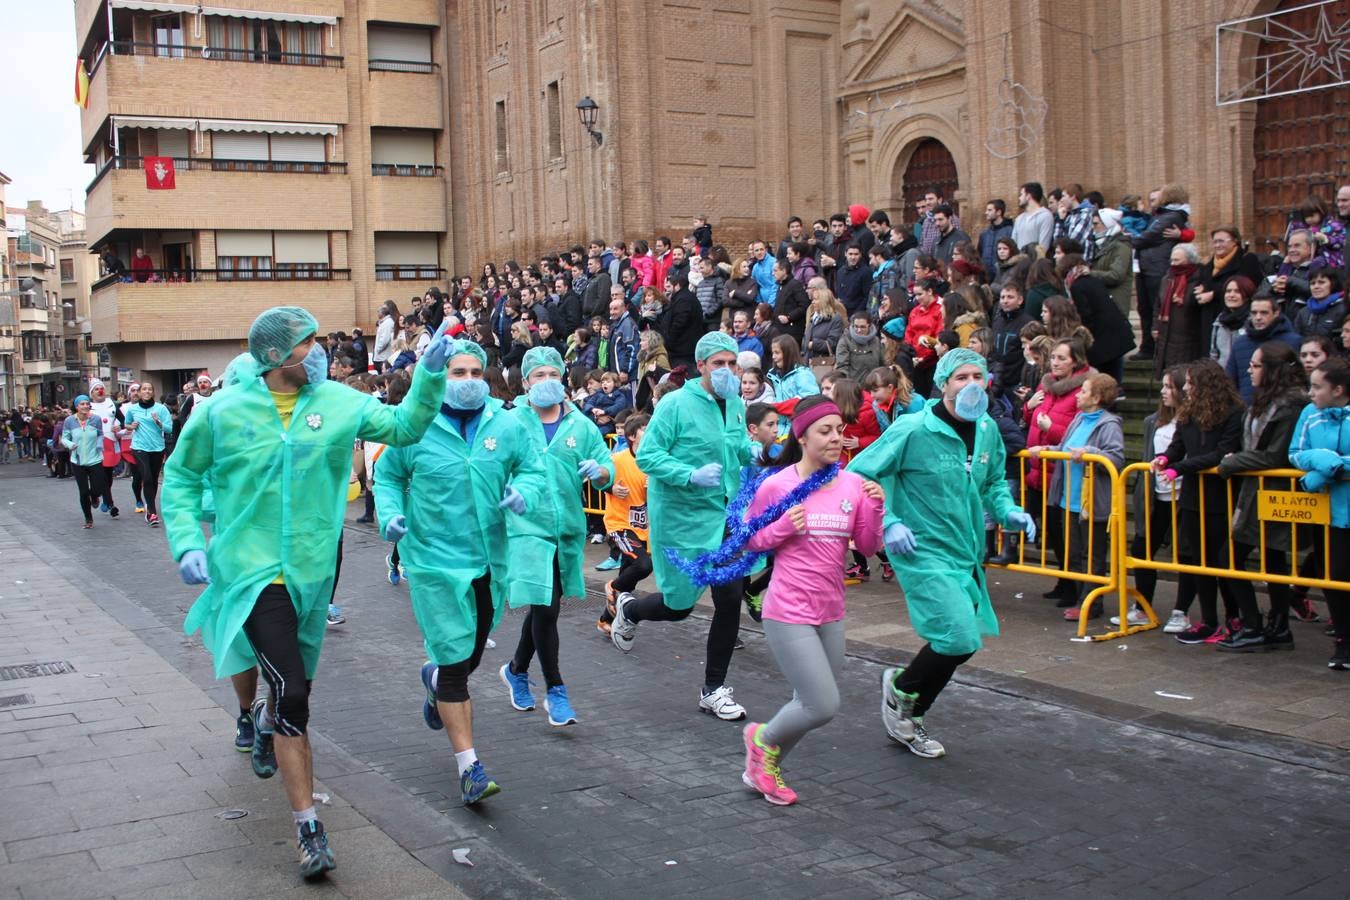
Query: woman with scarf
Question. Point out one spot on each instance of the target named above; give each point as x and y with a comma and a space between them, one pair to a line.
1114, 259
1324, 311
1179, 322
1237, 300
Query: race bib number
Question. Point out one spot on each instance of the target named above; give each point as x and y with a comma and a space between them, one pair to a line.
637, 517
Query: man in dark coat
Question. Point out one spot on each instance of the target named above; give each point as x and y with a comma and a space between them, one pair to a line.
681, 322
852, 280
595, 301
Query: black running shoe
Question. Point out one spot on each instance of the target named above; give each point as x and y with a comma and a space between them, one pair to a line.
243, 733
264, 756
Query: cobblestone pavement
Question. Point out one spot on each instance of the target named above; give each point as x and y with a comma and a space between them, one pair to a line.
1045, 792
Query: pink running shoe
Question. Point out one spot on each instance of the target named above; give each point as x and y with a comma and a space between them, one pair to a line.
761, 769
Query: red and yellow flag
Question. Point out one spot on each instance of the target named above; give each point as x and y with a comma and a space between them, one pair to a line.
81, 85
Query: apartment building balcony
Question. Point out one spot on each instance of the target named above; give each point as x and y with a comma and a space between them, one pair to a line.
212, 305
150, 79
8, 346
32, 318
221, 193
416, 12
416, 202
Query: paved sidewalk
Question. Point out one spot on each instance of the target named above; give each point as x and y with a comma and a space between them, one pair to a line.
117, 775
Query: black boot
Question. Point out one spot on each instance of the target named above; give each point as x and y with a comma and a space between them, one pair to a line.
1062, 588
1008, 555
990, 545
1278, 635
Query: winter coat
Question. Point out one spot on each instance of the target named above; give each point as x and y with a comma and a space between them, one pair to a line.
1317, 433
1107, 438
884, 280
793, 303
1182, 336
946, 244
762, 272
820, 338
792, 385
1061, 405
988, 245
681, 324
711, 295
866, 429
595, 300
1005, 365
1112, 336
967, 323
1265, 445
1036, 297
923, 322
1222, 335
805, 269
1327, 322
1003, 413
646, 271
851, 286
742, 293
1245, 344
1193, 450
858, 356
1155, 250
623, 346
384, 338
1113, 266
567, 312
1002, 272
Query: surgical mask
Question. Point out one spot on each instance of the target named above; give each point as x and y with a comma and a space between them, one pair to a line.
548, 393
725, 383
971, 402
465, 393
315, 363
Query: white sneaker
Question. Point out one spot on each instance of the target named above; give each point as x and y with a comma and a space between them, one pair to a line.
923, 745
1177, 622
718, 702
621, 631
898, 724
1136, 617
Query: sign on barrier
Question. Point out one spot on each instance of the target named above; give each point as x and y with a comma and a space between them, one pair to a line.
1294, 506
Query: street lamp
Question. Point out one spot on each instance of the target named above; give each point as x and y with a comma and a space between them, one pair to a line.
587, 110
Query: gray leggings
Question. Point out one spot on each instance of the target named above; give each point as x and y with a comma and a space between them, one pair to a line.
811, 658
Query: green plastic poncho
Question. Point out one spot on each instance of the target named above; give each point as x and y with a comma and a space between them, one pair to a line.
560, 524
242, 368
448, 489
921, 463
280, 497
688, 430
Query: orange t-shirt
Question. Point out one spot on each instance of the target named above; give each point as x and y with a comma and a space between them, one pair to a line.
628, 513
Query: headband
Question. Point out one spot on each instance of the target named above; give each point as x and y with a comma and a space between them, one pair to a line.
804, 420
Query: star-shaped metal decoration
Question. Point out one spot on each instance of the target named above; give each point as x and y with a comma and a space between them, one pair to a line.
314, 421
571, 442
489, 443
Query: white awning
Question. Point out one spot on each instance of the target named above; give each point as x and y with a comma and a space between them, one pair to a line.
223, 125
154, 6
268, 14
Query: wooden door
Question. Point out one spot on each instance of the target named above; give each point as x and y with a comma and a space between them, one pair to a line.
930, 168
1302, 140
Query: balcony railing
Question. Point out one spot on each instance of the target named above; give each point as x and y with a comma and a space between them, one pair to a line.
226, 54
217, 164
408, 272
279, 272
402, 65
406, 169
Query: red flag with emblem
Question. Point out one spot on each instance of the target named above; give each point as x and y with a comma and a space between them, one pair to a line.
159, 173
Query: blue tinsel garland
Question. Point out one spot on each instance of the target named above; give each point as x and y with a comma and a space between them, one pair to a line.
728, 562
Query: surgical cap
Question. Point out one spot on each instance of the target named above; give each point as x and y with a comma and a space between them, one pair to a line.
955, 359
714, 342
460, 348
242, 368
540, 356
278, 331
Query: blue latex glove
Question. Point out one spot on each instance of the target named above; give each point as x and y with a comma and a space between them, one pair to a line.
899, 539
591, 470
513, 500
192, 568
706, 476
396, 529
1022, 521
438, 351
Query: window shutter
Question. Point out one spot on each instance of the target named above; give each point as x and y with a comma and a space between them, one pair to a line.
238, 145
244, 243
301, 246
404, 249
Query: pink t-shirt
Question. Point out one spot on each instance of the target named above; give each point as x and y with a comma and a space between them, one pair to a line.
807, 586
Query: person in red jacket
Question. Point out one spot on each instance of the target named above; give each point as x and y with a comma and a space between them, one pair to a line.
925, 321
1048, 413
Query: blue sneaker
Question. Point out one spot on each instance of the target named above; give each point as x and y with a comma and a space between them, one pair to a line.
474, 785
316, 857
521, 698
395, 575
103, 507
243, 732
264, 756
559, 707
608, 564
430, 714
